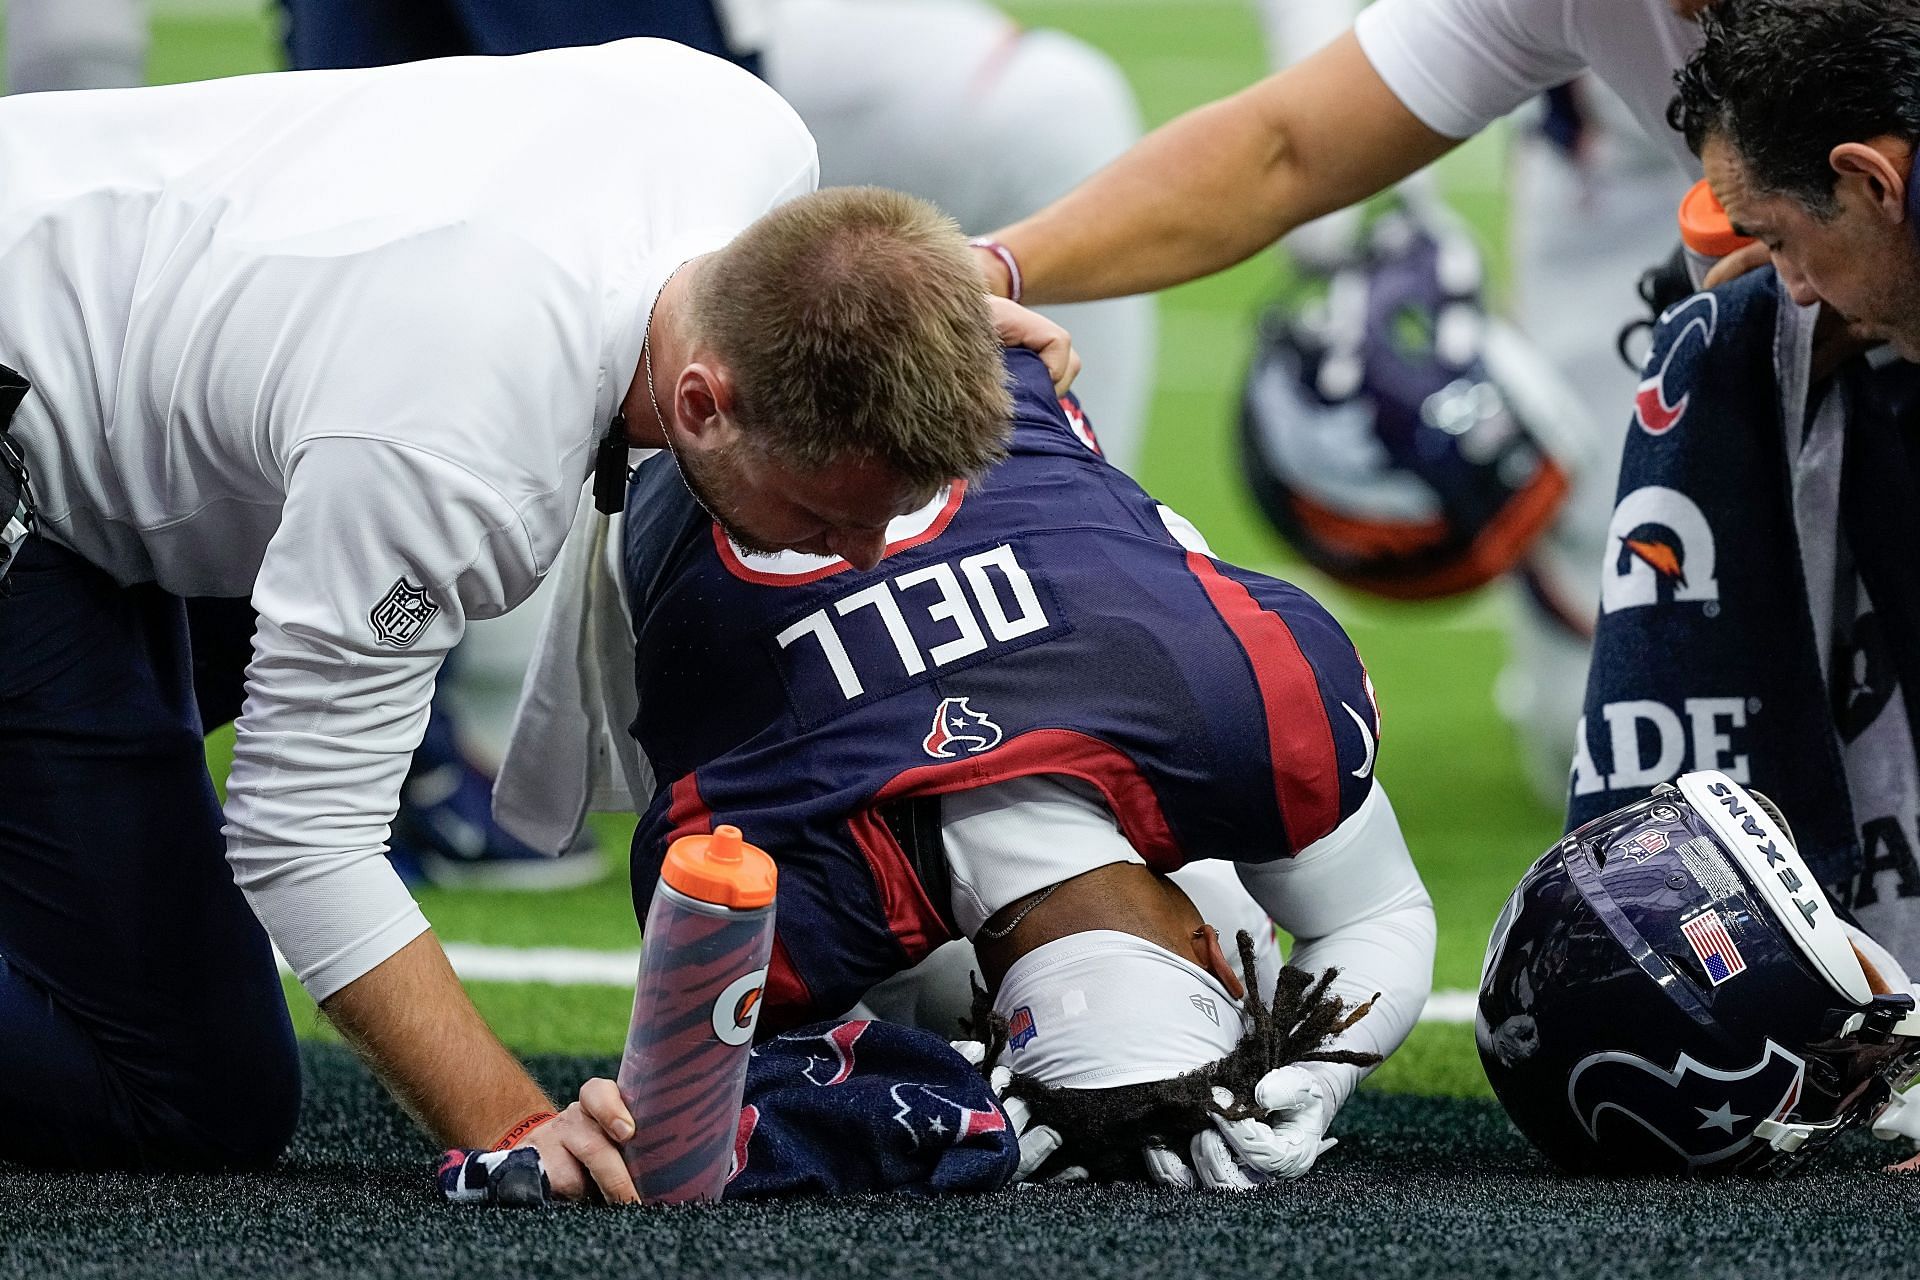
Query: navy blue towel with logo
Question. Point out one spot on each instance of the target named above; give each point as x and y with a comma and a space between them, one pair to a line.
1705, 654
841, 1108
830, 1109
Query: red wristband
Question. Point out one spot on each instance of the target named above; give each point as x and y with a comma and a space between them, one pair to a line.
521, 1130
1007, 260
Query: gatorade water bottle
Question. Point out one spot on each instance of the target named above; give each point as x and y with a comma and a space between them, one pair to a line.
703, 962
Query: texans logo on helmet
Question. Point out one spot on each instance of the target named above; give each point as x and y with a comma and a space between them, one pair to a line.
837, 1063
1700, 1113
960, 730
1654, 407
1664, 552
930, 1116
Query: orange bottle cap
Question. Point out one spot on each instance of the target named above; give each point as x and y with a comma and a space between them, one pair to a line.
1704, 225
722, 869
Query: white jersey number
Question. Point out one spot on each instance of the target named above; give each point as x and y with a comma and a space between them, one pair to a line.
996, 604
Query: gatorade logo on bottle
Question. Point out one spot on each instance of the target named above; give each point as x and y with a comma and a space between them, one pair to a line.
738, 1008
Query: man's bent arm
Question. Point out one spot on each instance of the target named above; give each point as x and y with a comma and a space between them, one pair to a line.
411, 1021
1224, 181
1353, 901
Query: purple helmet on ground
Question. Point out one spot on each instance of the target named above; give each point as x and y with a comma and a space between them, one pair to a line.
1399, 438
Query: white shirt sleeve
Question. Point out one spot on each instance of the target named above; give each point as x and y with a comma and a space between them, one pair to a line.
571, 750
1354, 901
1459, 65
334, 706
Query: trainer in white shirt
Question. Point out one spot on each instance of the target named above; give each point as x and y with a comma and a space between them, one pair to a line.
333, 337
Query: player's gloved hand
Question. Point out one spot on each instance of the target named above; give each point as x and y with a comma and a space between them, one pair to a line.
1038, 1142
1293, 1135
580, 1146
1239, 1155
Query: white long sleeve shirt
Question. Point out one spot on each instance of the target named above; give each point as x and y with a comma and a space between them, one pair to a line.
344, 341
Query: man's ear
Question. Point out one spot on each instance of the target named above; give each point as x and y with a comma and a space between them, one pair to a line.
704, 399
1879, 167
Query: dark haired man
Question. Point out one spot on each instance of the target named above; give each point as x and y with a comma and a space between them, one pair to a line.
349, 342
1046, 702
1805, 115
1795, 454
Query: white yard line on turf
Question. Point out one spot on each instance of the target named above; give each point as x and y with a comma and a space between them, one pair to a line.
570, 967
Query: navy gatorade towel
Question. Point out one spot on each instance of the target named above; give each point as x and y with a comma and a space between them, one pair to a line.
843, 1108
1705, 653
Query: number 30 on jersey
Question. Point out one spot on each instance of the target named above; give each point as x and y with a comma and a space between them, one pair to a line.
933, 617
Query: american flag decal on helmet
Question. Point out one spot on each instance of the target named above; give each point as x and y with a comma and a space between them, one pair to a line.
1714, 945
402, 614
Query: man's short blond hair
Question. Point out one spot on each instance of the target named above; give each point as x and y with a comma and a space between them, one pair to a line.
854, 325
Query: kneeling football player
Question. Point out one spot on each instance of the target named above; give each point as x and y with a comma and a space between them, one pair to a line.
1046, 700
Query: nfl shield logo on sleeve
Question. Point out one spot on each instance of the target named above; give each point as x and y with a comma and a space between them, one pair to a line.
402, 614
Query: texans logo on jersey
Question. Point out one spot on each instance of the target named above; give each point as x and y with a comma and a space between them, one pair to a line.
1655, 407
960, 730
1702, 1114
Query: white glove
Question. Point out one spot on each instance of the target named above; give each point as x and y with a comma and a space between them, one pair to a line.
1239, 1155
1038, 1142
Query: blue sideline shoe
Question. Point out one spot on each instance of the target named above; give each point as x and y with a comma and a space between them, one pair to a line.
445, 835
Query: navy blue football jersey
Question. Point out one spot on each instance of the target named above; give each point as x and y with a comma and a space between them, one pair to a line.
1041, 620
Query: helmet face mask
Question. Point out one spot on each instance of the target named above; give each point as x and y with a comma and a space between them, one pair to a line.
1669, 990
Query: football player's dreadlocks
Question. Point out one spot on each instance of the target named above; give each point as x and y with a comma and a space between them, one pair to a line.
1104, 1130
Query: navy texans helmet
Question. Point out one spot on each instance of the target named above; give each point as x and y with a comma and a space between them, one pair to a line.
1669, 990
1399, 438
